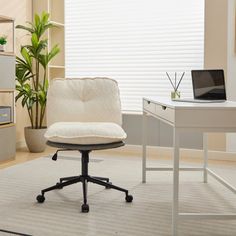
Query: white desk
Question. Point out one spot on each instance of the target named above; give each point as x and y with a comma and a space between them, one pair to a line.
184, 117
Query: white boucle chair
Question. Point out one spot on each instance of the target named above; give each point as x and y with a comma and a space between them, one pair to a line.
84, 115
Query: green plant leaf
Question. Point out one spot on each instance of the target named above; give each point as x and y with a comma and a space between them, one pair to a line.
55, 50
43, 59
31, 68
24, 100
3, 40
19, 95
26, 56
36, 20
45, 17
34, 40
31, 30
46, 85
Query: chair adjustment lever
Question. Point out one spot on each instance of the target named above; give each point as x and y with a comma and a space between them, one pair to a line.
54, 157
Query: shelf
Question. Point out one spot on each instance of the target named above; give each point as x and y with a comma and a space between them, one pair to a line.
12, 54
7, 90
57, 37
56, 10
56, 73
7, 125
10, 46
5, 19
58, 24
56, 34
56, 67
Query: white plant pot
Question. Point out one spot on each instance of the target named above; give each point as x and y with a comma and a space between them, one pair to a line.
2, 48
35, 139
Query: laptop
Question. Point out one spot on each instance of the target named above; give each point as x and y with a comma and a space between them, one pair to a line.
208, 87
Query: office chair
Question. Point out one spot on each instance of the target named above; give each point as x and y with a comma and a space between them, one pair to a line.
84, 115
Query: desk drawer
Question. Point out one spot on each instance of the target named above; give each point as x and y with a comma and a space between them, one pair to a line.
165, 113
149, 106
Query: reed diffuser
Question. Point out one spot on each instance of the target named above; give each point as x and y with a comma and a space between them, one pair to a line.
175, 84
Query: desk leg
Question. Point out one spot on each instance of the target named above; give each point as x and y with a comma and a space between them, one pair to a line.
205, 151
175, 206
144, 135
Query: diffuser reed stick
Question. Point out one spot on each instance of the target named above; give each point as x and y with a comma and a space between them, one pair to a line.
176, 84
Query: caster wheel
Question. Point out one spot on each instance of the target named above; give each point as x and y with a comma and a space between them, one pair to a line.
85, 208
107, 186
60, 186
40, 198
129, 198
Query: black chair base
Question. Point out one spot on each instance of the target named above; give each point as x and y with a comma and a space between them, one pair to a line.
84, 178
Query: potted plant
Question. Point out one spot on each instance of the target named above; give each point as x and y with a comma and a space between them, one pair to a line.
3, 42
32, 80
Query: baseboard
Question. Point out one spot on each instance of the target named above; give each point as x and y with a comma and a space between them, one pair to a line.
166, 152
20, 144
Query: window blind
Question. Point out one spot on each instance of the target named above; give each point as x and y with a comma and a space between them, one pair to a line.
135, 42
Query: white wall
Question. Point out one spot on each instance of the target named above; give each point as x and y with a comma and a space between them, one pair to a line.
220, 52
231, 66
215, 51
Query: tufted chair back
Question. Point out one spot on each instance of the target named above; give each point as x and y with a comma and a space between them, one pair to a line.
84, 100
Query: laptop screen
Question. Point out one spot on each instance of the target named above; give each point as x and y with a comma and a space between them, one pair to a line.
208, 84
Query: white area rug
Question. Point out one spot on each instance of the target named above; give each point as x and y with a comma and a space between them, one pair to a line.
149, 214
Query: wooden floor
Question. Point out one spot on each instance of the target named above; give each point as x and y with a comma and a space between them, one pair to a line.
23, 155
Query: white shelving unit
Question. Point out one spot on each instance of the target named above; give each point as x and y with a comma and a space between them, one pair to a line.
7, 92
56, 35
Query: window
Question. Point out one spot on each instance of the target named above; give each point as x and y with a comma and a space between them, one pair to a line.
135, 42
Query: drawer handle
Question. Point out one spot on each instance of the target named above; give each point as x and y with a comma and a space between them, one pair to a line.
148, 102
163, 107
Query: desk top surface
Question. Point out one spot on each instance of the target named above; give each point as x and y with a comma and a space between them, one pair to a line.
181, 105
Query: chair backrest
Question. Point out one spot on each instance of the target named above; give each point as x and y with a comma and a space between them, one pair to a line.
83, 100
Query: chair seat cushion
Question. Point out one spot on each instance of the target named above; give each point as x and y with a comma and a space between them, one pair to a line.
85, 133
